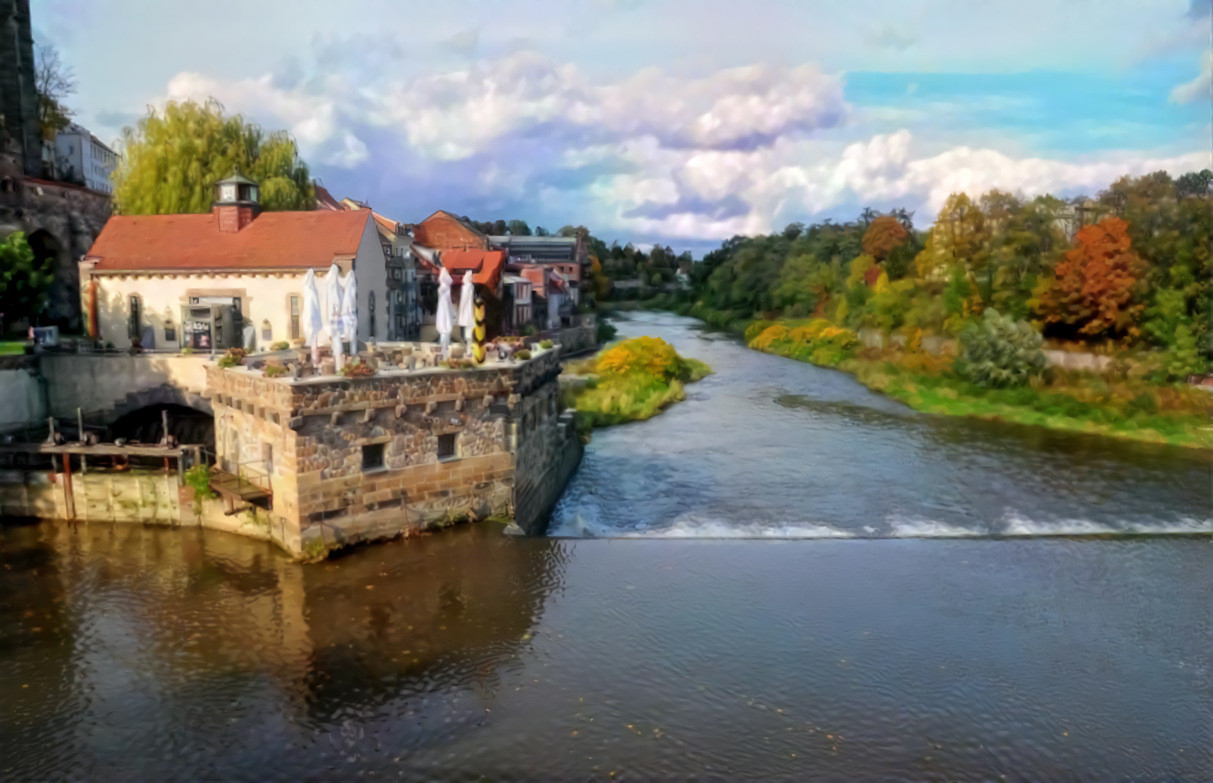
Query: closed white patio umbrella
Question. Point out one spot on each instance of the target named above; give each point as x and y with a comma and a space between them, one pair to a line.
444, 319
313, 316
332, 308
467, 295
349, 311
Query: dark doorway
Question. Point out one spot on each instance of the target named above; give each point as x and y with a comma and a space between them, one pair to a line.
186, 424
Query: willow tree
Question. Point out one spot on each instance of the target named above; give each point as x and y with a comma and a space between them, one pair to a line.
170, 160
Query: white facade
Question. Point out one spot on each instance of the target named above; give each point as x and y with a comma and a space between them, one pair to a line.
192, 308
80, 156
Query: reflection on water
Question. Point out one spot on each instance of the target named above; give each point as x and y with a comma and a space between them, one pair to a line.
160, 640
770, 447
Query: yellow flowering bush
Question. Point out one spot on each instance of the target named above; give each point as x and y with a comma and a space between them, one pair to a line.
650, 354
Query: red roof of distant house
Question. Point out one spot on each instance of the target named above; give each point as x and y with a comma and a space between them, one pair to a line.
274, 240
485, 265
325, 200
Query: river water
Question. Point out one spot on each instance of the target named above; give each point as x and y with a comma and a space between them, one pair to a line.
784, 577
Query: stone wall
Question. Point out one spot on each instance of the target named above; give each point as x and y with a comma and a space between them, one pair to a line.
20, 392
109, 385
61, 222
313, 435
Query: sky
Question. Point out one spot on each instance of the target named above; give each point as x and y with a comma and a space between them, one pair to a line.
683, 122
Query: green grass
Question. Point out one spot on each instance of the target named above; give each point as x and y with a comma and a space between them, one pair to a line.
1121, 408
12, 347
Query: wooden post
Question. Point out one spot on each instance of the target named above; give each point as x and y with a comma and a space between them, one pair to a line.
164, 436
67, 487
80, 437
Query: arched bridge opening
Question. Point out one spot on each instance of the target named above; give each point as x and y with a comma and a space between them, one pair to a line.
146, 425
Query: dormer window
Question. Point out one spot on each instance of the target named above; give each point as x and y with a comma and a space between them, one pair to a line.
227, 191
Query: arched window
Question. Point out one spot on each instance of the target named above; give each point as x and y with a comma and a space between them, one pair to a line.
135, 325
370, 306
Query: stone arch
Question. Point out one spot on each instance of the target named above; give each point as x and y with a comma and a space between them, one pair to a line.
49, 249
190, 419
164, 394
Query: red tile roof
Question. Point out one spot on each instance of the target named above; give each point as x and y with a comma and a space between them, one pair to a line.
274, 240
486, 265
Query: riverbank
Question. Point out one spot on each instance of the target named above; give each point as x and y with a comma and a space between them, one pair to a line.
632, 380
1128, 408
1121, 407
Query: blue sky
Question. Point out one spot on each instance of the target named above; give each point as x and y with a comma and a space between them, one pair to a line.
674, 121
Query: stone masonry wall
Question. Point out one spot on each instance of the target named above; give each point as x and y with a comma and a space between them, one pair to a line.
317, 429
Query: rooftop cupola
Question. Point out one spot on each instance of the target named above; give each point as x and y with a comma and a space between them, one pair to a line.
237, 202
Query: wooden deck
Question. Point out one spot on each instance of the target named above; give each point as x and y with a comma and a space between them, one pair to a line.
236, 487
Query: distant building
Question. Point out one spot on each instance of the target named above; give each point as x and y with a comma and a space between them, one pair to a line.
233, 277
80, 157
565, 255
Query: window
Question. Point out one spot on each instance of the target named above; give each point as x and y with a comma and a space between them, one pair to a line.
170, 332
370, 306
296, 312
372, 456
446, 446
135, 326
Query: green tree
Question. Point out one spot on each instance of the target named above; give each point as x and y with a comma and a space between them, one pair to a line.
171, 161
519, 228
23, 279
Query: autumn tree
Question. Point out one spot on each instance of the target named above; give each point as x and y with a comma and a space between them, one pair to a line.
54, 83
1093, 291
958, 239
172, 159
884, 235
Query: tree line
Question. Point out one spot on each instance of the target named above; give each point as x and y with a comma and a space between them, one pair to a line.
1130, 266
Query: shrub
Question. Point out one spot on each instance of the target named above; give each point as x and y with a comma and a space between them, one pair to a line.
545, 344
187, 350
1183, 357
281, 345
528, 330
198, 478
522, 355
357, 369
275, 370
605, 331
651, 355
999, 352
755, 328
232, 358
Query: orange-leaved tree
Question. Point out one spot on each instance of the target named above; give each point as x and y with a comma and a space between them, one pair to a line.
884, 235
1094, 289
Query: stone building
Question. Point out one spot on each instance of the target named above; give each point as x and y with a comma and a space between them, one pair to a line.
215, 280
355, 459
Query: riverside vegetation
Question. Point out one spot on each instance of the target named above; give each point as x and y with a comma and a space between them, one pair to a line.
631, 380
994, 281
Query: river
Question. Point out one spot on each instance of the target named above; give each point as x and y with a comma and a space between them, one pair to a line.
783, 577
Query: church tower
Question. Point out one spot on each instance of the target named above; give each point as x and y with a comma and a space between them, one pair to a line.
18, 100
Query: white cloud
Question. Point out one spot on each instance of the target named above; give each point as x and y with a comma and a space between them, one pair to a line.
1200, 88
654, 153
